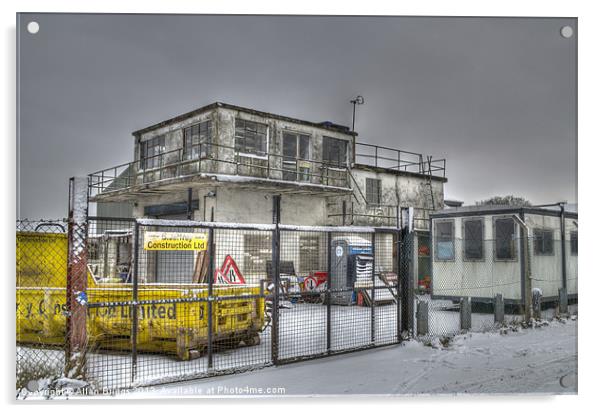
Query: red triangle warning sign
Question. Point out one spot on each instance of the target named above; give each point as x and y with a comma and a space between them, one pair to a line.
229, 273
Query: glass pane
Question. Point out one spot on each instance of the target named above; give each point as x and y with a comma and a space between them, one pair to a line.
289, 146
303, 147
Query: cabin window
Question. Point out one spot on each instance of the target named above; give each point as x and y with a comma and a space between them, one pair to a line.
151, 152
251, 137
505, 239
473, 239
195, 142
573, 242
334, 151
543, 241
257, 252
373, 191
309, 253
295, 162
444, 241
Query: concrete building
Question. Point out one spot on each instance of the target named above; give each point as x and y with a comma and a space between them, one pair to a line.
478, 252
227, 162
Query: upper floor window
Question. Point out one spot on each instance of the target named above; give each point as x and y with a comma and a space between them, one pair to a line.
543, 241
196, 138
295, 151
505, 239
573, 242
250, 137
444, 240
373, 191
473, 239
334, 151
151, 152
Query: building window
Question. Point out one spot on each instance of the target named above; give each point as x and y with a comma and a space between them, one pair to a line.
151, 152
309, 254
543, 241
573, 242
444, 241
473, 239
195, 142
257, 252
505, 240
295, 162
334, 151
373, 191
251, 137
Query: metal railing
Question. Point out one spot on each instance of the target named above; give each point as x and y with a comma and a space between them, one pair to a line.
218, 159
396, 159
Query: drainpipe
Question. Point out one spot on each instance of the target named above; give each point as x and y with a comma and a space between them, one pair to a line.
563, 244
527, 267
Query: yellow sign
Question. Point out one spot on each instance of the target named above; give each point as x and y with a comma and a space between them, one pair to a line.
175, 241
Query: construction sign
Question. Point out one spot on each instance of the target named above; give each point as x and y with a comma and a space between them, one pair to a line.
229, 273
175, 241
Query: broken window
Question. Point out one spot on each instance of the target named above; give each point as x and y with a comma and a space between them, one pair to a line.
573, 242
151, 152
257, 252
444, 240
373, 191
473, 239
251, 137
543, 241
505, 239
295, 162
196, 139
309, 253
334, 151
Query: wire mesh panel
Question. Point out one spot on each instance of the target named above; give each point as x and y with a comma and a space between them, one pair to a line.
352, 268
41, 261
387, 297
241, 335
302, 327
109, 294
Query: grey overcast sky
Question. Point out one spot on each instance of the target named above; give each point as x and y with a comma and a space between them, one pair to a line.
495, 96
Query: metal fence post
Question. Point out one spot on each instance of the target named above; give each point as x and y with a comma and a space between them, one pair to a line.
211, 246
275, 275
563, 302
134, 306
399, 289
328, 294
373, 292
422, 318
76, 286
465, 313
498, 313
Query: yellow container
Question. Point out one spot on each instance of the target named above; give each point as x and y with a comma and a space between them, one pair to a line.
166, 323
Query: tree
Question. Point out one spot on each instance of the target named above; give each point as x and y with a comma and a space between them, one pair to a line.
510, 200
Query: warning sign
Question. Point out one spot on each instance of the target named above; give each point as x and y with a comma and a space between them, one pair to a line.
175, 241
229, 273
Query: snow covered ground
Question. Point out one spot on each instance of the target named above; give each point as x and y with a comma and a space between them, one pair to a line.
534, 360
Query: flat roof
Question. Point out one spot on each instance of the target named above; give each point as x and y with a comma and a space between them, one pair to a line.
471, 210
321, 125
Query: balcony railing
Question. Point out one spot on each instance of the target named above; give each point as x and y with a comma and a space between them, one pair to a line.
396, 159
215, 159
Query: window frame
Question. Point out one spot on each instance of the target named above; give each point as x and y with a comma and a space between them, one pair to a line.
575, 251
302, 267
156, 159
541, 252
301, 176
249, 267
208, 129
435, 247
331, 163
472, 219
379, 192
514, 257
263, 154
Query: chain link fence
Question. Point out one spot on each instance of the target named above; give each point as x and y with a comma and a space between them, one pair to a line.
41, 253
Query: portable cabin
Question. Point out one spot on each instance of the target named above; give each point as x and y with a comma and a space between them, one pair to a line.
479, 252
